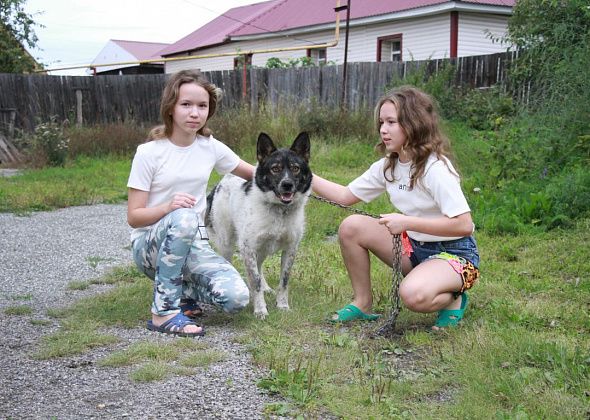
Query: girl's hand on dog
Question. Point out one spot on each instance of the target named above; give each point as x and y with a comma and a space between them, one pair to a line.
394, 222
182, 200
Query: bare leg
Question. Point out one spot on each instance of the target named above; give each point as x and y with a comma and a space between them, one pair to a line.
358, 235
429, 287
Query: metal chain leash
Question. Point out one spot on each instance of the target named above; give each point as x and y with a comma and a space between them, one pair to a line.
387, 327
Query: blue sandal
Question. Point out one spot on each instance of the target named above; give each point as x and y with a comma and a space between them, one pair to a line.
452, 317
175, 326
352, 313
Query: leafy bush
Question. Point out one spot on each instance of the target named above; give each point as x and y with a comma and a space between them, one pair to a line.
484, 109
49, 143
570, 193
277, 63
336, 123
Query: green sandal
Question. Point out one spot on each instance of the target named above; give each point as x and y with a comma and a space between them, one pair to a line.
452, 317
352, 313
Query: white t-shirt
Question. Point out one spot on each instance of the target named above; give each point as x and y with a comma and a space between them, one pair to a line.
438, 194
163, 169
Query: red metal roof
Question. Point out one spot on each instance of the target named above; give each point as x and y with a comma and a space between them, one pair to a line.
282, 15
218, 30
141, 50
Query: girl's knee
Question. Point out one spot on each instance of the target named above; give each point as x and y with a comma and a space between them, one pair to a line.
229, 291
236, 300
412, 297
349, 228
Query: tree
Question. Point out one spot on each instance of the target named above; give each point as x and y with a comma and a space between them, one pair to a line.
553, 37
16, 30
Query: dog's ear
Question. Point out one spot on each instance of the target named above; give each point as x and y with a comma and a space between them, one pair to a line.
301, 146
265, 147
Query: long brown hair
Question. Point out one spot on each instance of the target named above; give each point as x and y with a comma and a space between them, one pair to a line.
417, 116
170, 97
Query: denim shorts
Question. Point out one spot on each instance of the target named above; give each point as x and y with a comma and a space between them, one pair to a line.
463, 247
461, 254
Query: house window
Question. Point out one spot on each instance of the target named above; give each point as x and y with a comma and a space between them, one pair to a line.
389, 48
318, 56
239, 61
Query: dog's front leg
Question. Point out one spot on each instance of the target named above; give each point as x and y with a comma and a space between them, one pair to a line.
287, 259
251, 263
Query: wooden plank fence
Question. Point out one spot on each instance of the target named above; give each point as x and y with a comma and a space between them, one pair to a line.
26, 100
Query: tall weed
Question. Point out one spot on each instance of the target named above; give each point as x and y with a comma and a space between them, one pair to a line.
117, 139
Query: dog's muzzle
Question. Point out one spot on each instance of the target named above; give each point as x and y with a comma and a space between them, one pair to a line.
286, 192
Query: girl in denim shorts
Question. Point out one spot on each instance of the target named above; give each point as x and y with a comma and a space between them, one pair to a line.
440, 259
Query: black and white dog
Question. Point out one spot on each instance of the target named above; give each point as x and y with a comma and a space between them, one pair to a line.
264, 215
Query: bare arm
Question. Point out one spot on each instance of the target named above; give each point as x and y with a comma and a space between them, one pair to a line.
244, 170
461, 225
333, 191
138, 215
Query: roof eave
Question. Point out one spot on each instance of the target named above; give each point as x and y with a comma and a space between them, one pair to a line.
192, 50
406, 14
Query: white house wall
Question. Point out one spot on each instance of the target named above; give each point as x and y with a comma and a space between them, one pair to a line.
473, 39
422, 38
259, 60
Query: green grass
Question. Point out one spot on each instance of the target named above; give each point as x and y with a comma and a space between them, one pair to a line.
78, 285
18, 310
523, 350
83, 181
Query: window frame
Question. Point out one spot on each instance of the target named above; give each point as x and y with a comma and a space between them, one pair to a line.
317, 60
390, 39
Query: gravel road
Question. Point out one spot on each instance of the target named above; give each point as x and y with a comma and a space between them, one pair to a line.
40, 255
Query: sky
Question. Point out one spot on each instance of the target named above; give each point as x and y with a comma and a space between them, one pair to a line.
75, 31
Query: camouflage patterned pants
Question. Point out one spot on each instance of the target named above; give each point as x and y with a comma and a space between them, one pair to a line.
176, 254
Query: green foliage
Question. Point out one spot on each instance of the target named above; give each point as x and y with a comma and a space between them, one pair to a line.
549, 34
16, 30
570, 193
553, 38
49, 143
483, 109
326, 122
277, 63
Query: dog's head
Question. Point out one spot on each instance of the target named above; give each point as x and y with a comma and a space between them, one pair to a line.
285, 172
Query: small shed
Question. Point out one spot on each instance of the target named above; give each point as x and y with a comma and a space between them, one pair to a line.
119, 51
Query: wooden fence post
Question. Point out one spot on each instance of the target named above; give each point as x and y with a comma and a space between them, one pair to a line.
11, 120
79, 118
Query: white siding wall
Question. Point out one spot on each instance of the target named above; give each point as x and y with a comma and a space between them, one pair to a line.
227, 63
473, 39
422, 38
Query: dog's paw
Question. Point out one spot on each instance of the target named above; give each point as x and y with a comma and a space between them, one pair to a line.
283, 304
260, 310
262, 314
265, 287
283, 300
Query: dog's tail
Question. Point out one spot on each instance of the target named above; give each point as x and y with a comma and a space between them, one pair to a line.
210, 196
